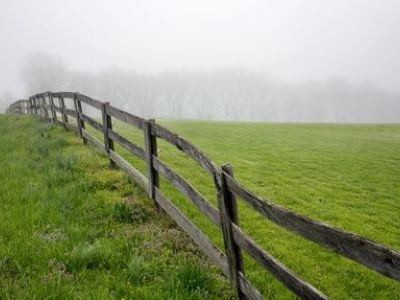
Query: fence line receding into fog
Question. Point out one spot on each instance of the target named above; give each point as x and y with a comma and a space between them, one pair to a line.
227, 189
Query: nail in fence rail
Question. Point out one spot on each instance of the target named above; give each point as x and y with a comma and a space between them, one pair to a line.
368, 253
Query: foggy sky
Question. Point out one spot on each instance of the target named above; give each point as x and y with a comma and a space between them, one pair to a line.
303, 40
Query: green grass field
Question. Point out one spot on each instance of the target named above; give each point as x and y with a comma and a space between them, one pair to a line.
343, 175
72, 228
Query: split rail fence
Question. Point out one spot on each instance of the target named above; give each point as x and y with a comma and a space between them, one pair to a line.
364, 251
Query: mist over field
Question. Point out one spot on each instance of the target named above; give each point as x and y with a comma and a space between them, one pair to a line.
292, 61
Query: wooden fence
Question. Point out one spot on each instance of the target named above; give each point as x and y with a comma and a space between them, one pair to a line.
366, 252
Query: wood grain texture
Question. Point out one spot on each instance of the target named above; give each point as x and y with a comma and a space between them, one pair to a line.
81, 121
130, 170
192, 230
128, 145
126, 117
52, 107
301, 288
228, 214
69, 95
248, 289
92, 122
151, 151
188, 190
94, 141
190, 150
90, 101
62, 107
364, 251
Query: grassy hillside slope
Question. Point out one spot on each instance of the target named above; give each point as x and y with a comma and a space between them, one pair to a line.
71, 228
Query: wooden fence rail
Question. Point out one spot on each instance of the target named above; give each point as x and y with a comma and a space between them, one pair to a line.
366, 252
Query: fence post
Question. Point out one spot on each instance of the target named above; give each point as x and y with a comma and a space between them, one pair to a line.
40, 105
26, 103
107, 125
63, 114
29, 106
45, 110
78, 115
151, 149
35, 105
228, 212
53, 111
82, 123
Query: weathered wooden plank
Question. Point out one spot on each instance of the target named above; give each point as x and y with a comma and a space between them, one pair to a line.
151, 151
45, 107
30, 106
188, 190
94, 141
69, 112
72, 128
190, 150
192, 230
57, 109
126, 117
77, 115
52, 107
288, 278
138, 177
128, 145
228, 215
82, 123
62, 107
248, 289
366, 252
107, 126
35, 105
65, 94
40, 95
92, 102
39, 105
58, 122
92, 122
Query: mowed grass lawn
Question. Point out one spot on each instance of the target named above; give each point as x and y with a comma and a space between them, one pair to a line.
72, 228
345, 175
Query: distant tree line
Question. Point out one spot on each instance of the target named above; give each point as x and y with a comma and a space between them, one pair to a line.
231, 94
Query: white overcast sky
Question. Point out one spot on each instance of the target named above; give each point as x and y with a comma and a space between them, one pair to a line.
294, 40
